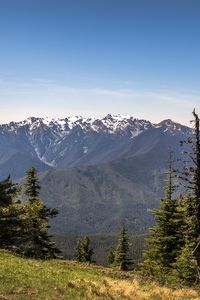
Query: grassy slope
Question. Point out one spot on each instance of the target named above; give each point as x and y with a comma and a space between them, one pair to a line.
29, 279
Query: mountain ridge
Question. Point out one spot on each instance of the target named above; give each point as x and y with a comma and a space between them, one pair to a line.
97, 173
52, 141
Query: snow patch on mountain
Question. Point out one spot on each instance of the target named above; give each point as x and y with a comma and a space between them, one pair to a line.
58, 140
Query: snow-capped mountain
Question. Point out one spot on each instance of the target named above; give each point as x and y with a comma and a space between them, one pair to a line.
96, 171
110, 124
73, 141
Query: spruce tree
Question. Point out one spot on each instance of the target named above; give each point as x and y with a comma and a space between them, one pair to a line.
9, 214
184, 269
8, 191
122, 251
111, 256
83, 251
79, 251
37, 242
191, 179
164, 241
32, 185
195, 171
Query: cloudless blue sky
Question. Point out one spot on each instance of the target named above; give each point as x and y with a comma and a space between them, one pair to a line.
93, 57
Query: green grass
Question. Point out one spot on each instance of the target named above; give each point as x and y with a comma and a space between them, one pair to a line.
24, 279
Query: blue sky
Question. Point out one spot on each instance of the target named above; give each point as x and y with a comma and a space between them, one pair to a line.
93, 57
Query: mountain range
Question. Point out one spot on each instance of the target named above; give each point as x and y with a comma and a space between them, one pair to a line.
98, 172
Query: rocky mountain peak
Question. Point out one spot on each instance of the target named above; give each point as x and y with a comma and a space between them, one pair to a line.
75, 139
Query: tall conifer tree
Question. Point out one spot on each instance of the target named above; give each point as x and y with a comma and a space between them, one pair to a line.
9, 214
32, 185
122, 251
111, 256
164, 241
184, 269
38, 243
83, 251
191, 176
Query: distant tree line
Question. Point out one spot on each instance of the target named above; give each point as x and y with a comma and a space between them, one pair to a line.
118, 257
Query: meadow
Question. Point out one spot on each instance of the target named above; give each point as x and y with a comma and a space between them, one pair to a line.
24, 279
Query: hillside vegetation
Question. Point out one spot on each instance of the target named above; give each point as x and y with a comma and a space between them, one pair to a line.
101, 243
59, 279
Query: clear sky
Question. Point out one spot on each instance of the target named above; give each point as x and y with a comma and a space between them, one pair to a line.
94, 57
